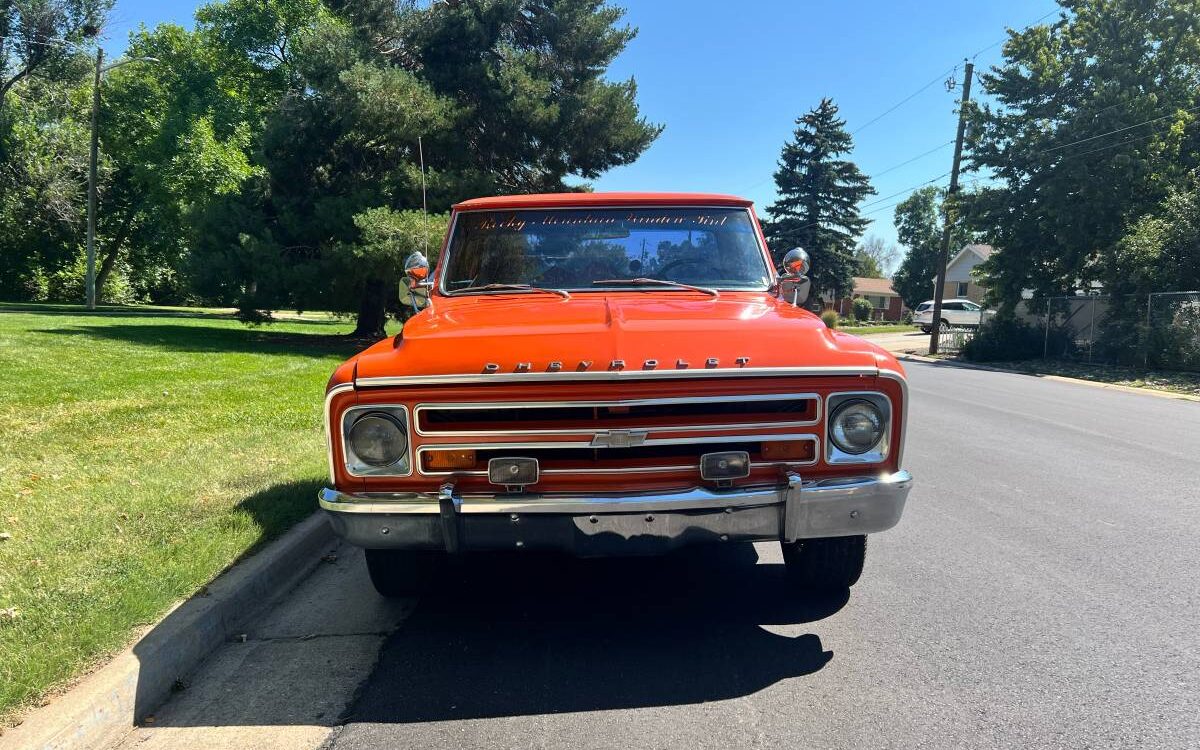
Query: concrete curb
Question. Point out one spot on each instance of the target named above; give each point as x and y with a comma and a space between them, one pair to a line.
106, 704
1059, 378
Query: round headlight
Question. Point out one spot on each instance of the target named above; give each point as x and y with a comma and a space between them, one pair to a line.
378, 440
856, 426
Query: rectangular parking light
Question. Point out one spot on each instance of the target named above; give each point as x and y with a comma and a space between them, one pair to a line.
513, 472
724, 466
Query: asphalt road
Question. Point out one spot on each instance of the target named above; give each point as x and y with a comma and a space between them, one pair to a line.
1043, 590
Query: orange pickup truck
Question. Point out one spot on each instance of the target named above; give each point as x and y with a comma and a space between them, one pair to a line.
613, 374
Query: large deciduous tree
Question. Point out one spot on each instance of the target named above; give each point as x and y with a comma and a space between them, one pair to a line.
43, 38
505, 96
919, 223
819, 193
1092, 123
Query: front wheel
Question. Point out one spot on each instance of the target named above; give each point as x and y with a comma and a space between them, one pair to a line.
924, 329
398, 573
825, 564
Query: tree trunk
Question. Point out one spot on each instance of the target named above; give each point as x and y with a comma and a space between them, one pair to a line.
372, 310
110, 257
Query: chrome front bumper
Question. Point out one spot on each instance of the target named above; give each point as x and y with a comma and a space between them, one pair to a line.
618, 524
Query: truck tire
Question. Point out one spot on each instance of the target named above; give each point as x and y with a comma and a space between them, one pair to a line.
826, 564
397, 573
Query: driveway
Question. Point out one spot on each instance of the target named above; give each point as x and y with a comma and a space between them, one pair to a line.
906, 340
1041, 591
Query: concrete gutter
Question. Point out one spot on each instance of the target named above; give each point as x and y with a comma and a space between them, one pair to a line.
1059, 378
108, 703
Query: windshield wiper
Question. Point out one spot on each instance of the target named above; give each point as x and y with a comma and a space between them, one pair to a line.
510, 288
644, 281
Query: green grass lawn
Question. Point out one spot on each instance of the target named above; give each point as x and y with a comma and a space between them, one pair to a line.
863, 330
140, 455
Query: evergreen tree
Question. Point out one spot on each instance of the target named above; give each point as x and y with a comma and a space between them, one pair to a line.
819, 193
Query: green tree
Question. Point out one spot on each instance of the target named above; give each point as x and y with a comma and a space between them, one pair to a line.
45, 36
1091, 125
819, 193
174, 137
41, 188
919, 223
505, 96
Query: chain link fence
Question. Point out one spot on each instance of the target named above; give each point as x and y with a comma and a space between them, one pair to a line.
1159, 330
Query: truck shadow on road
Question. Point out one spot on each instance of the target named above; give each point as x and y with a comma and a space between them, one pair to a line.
527, 635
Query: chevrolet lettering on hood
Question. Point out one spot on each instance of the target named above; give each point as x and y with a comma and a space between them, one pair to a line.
613, 374
617, 364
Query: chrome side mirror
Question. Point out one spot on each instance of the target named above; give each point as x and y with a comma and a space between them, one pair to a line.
414, 290
794, 284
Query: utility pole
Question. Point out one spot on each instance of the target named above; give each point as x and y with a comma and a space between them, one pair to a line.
944, 256
91, 216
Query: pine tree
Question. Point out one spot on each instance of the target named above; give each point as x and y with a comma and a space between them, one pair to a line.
819, 193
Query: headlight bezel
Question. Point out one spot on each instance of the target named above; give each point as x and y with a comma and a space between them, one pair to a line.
878, 453
356, 466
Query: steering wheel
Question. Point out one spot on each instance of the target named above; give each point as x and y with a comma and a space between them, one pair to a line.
661, 272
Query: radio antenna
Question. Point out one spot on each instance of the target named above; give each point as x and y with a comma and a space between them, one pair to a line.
424, 202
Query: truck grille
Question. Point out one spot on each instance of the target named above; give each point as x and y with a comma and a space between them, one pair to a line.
627, 436
711, 413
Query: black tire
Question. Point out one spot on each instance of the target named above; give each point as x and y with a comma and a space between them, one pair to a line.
924, 329
827, 564
399, 573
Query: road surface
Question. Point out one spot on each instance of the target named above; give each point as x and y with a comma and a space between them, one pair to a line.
1041, 591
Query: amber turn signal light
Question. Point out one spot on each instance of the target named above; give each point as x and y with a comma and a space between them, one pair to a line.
449, 459
789, 450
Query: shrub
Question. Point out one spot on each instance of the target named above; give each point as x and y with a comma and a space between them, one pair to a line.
831, 318
1009, 339
861, 309
906, 317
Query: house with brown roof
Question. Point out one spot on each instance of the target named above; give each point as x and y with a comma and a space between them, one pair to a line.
886, 304
961, 283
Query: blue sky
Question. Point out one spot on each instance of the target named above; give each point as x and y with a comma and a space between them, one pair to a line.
728, 80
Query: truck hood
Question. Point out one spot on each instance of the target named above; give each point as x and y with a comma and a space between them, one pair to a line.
619, 332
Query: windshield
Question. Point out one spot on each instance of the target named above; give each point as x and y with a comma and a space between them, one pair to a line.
597, 249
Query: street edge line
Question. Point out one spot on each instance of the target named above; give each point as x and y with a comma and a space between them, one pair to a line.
1060, 378
107, 704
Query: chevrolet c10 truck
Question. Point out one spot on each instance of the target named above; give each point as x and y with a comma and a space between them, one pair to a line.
613, 374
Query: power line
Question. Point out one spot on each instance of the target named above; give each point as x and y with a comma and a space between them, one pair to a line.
1118, 130
902, 102
906, 190
933, 150
939, 77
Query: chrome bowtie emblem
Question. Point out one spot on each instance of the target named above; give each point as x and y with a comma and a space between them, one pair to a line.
619, 439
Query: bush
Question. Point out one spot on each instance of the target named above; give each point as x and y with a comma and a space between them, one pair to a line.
831, 318
1009, 339
862, 309
906, 317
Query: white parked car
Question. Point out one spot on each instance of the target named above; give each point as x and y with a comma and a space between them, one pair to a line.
956, 313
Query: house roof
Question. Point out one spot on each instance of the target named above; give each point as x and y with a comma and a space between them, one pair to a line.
864, 285
561, 200
983, 252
